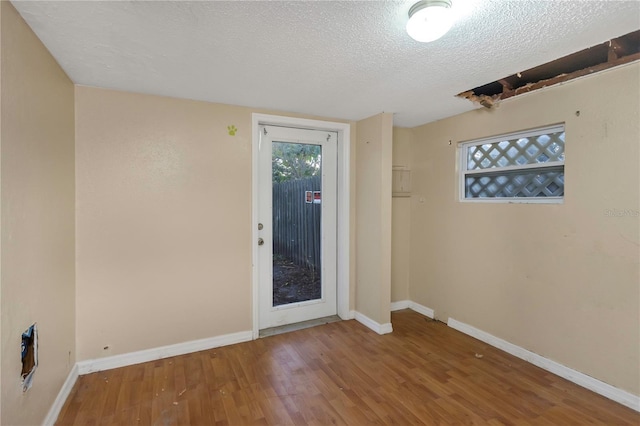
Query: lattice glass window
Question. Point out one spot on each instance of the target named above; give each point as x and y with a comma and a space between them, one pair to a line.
522, 166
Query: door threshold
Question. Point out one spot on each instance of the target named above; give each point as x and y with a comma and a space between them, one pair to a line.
298, 326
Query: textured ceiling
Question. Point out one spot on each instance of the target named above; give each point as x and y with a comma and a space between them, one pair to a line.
340, 59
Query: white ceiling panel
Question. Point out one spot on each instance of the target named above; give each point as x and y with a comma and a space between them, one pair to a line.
341, 59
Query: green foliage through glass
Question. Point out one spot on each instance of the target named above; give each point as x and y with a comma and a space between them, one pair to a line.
292, 161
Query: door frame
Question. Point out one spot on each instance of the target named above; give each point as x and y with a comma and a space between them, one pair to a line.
343, 205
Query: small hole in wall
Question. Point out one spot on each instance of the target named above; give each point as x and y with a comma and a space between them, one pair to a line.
29, 356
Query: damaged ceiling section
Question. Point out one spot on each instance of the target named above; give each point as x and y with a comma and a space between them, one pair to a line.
617, 51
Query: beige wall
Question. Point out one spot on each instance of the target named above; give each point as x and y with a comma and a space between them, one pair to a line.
559, 280
163, 221
37, 198
373, 217
1, 398
400, 221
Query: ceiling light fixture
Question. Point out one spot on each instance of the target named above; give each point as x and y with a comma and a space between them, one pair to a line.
429, 20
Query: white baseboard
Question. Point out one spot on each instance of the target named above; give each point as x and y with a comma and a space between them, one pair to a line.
408, 304
63, 394
618, 395
373, 325
107, 363
400, 305
427, 312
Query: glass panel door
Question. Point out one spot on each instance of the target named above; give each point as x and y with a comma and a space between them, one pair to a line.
297, 215
297, 210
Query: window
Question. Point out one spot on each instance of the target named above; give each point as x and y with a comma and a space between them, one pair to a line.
518, 167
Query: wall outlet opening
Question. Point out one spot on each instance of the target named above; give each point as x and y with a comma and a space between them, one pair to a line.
29, 356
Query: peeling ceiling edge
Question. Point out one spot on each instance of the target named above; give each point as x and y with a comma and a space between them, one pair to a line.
545, 88
611, 54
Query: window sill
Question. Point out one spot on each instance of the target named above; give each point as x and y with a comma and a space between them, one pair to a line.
522, 200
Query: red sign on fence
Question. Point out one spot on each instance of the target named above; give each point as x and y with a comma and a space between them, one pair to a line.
312, 197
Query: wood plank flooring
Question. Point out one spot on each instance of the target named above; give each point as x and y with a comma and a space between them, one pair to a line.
341, 373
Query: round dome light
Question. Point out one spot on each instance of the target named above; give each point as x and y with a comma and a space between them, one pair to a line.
429, 20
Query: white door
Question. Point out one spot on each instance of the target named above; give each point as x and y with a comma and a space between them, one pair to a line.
297, 214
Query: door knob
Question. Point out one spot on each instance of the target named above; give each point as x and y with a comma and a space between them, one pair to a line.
260, 241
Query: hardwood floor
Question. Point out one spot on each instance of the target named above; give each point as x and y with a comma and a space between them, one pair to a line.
341, 373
